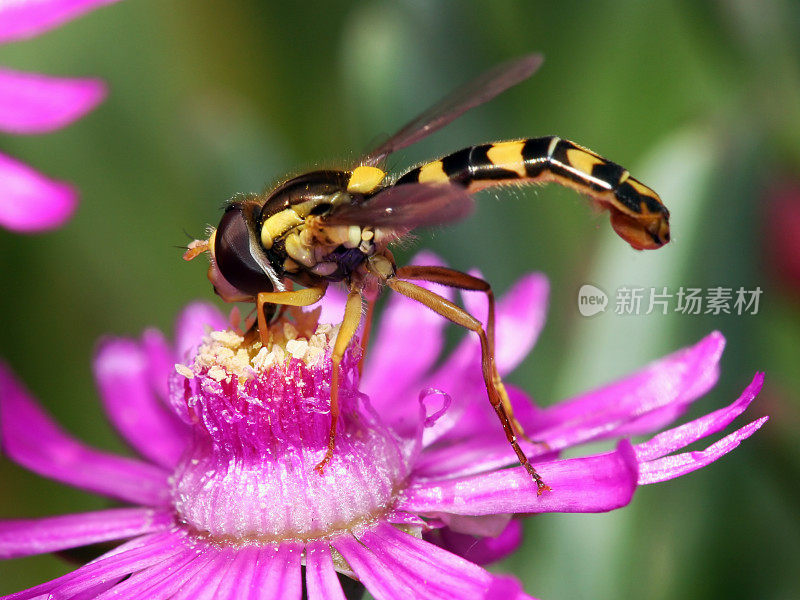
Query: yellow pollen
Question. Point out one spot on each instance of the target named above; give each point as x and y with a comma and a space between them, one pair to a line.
224, 354
185, 371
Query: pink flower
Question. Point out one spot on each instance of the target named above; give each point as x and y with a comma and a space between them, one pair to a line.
32, 104
423, 485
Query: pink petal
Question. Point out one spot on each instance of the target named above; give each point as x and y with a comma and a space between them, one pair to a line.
656, 466
160, 361
591, 484
332, 305
477, 549
128, 558
666, 384
30, 438
22, 19
193, 323
321, 580
162, 580
477, 442
31, 202
432, 571
277, 576
642, 402
92, 593
467, 457
237, 580
405, 346
381, 579
121, 564
679, 437
31, 103
520, 316
676, 465
397, 517
477, 420
121, 369
203, 586
23, 537
481, 525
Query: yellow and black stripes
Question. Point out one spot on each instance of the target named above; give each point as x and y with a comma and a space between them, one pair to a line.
637, 212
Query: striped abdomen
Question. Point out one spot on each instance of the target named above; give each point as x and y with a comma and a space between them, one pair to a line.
637, 213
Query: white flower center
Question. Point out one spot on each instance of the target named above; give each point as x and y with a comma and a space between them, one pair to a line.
261, 419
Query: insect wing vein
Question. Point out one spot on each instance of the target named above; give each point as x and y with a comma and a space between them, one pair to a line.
476, 92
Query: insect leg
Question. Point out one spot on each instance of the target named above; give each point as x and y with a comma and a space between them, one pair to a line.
304, 297
463, 281
370, 294
459, 316
350, 321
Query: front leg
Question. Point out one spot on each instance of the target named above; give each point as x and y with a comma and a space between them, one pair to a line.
350, 321
456, 279
304, 297
461, 317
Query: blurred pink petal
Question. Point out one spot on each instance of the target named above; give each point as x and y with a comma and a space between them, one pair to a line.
29, 201
479, 419
31, 103
121, 370
478, 549
24, 537
520, 317
33, 440
20, 19
675, 380
193, 323
160, 361
460, 376
332, 305
519, 320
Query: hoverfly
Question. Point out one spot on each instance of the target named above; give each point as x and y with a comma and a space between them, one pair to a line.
336, 226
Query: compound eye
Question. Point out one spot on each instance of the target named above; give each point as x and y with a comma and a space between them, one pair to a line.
233, 256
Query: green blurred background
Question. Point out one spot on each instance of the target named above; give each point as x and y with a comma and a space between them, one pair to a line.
701, 100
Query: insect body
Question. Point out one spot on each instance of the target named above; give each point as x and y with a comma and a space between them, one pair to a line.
337, 226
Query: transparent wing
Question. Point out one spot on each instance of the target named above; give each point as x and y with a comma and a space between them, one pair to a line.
408, 206
473, 94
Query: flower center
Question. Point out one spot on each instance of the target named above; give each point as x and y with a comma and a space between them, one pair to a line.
260, 418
